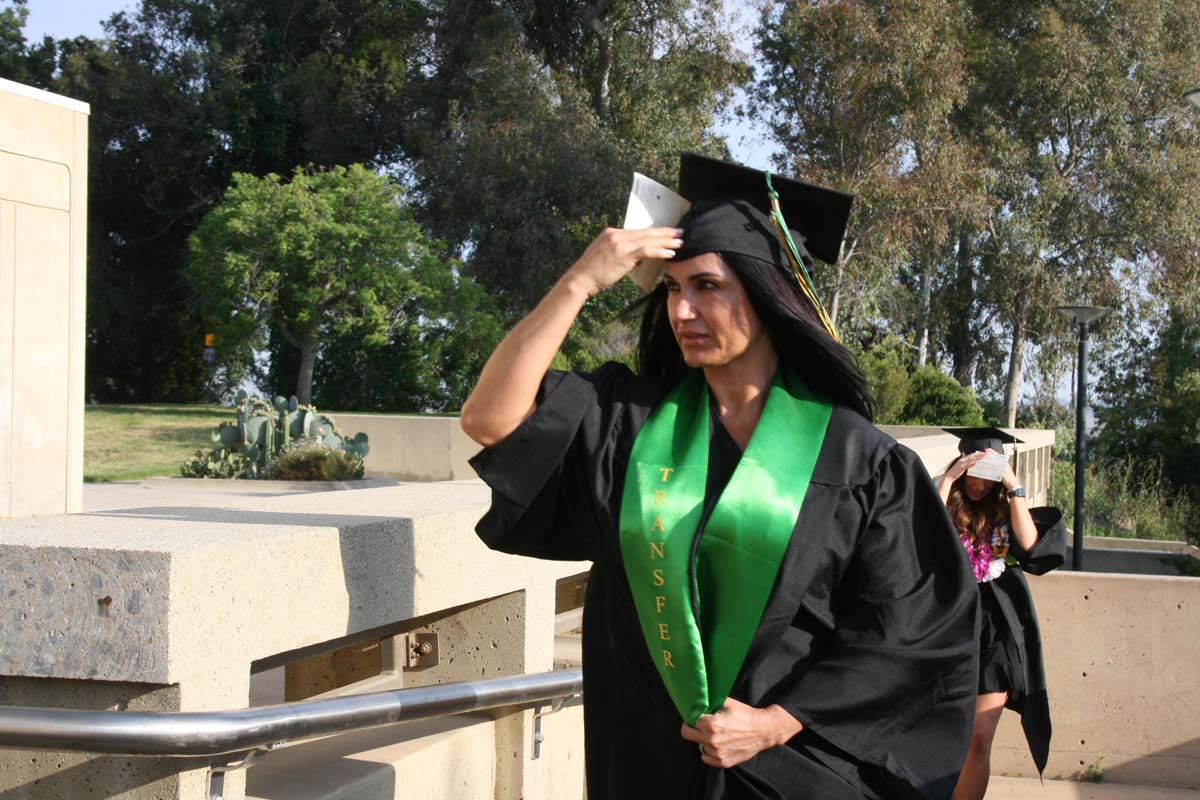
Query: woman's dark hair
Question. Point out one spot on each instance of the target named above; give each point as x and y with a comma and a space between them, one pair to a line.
801, 341
973, 519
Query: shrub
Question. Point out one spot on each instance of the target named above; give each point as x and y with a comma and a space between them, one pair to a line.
1124, 500
313, 461
886, 368
937, 399
219, 463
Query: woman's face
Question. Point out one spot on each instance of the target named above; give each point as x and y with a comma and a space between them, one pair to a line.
977, 488
710, 313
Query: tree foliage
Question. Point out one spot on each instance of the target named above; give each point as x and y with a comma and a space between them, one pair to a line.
328, 255
934, 398
859, 96
886, 365
531, 120
516, 124
1007, 159
183, 93
1148, 401
1070, 102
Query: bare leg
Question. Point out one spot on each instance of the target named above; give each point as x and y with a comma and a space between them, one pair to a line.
973, 781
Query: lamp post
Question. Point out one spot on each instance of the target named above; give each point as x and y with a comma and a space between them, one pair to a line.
1082, 315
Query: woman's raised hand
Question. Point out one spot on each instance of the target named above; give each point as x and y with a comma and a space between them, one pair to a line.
506, 392
1009, 478
616, 251
962, 464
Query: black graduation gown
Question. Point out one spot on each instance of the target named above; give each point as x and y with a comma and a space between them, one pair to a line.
869, 638
1012, 596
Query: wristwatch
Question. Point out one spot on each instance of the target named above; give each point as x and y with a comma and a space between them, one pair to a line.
1017, 491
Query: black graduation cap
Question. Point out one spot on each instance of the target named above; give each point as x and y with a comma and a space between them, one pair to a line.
976, 440
731, 212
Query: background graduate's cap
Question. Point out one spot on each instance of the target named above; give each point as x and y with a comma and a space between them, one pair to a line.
976, 440
751, 212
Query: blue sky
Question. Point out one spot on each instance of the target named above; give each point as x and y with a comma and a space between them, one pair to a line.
63, 19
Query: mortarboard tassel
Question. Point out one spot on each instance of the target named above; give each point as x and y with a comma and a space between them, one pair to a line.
798, 270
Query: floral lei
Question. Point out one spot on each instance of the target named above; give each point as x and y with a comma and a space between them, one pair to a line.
988, 558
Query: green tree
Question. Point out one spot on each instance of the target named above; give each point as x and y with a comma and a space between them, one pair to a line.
429, 364
1147, 399
886, 365
22, 61
1075, 111
329, 253
530, 121
184, 93
489, 109
937, 399
12, 39
1006, 158
860, 96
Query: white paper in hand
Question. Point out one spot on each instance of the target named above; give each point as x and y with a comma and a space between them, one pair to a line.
651, 205
990, 467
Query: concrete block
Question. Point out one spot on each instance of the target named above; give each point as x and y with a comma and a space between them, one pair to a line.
436, 759
325, 671
413, 447
1148, 559
562, 751
218, 589
1120, 654
84, 613
1004, 788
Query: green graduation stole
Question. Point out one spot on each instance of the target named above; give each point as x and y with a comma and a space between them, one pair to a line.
699, 653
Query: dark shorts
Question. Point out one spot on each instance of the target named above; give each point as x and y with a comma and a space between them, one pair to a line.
999, 659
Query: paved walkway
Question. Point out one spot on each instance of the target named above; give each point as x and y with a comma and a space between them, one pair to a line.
1022, 788
206, 493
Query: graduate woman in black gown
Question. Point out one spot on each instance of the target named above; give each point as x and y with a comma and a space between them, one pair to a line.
778, 605
1003, 539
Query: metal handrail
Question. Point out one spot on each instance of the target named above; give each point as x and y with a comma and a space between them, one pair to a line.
203, 733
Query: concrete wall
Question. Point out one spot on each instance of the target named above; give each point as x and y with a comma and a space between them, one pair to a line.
43, 218
1121, 654
1031, 458
413, 447
424, 448
1149, 559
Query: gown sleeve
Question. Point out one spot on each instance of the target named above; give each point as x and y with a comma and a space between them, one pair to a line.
894, 685
1050, 550
543, 475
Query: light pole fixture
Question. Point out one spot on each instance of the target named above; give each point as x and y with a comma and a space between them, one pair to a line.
1082, 315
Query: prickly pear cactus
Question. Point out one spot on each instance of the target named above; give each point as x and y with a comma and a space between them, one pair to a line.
263, 431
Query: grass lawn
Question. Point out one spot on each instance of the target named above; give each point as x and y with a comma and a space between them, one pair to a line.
125, 443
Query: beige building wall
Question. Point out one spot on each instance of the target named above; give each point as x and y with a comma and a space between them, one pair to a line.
43, 291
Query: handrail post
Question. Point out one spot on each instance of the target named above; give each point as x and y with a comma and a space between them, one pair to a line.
219, 767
